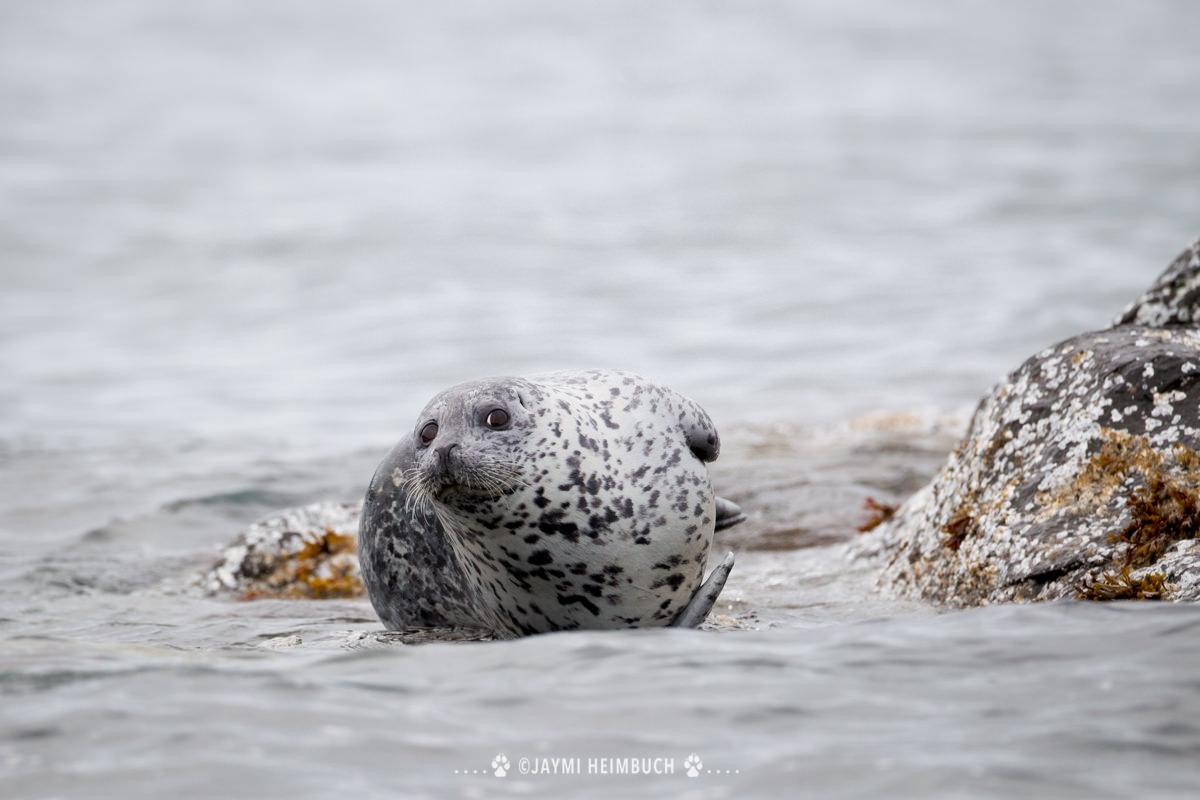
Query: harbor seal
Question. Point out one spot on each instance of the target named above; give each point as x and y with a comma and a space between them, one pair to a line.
566, 501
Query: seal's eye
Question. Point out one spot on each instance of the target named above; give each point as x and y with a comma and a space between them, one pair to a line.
428, 433
497, 418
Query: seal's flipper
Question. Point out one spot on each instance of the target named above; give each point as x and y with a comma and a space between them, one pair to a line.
705, 597
728, 514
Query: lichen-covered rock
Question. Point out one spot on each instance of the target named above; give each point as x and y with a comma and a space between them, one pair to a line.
1079, 475
301, 553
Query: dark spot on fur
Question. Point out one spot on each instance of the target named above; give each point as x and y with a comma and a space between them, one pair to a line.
568, 600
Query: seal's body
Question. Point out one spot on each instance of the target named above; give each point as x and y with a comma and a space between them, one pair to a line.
571, 500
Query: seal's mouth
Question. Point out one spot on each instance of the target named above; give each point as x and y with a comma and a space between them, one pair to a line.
448, 492
469, 484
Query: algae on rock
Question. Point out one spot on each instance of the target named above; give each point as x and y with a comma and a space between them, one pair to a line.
301, 553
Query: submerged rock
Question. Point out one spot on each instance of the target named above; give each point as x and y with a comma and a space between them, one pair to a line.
300, 553
1079, 475
803, 486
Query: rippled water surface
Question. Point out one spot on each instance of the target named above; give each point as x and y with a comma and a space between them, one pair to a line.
243, 244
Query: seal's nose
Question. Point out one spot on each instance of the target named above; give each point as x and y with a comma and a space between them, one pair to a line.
443, 455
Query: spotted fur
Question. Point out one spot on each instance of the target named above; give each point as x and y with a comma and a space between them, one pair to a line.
591, 508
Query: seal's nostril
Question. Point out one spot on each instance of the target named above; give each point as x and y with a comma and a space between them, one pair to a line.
443, 452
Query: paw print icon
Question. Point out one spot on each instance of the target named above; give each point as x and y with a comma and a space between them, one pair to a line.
500, 765
693, 764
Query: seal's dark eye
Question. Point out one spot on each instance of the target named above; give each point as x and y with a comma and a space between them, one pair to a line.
497, 418
428, 433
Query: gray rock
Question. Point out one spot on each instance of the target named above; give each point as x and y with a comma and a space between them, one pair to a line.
1079, 475
299, 553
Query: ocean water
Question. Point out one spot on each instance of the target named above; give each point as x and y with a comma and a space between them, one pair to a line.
243, 243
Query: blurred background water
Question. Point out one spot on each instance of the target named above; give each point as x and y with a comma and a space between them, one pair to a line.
242, 243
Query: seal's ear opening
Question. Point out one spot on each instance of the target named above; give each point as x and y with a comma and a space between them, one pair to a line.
704, 446
700, 433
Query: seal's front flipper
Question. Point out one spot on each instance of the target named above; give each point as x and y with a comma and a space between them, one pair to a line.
702, 601
728, 514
